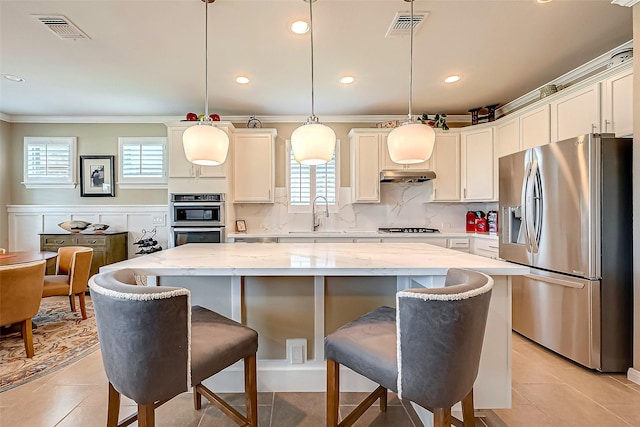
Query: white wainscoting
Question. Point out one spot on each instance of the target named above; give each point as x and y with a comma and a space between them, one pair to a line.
26, 222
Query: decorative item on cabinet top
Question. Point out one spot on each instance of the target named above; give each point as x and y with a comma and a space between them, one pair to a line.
438, 121
254, 123
75, 226
147, 245
490, 116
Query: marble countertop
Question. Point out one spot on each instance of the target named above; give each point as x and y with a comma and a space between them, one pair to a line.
318, 259
362, 234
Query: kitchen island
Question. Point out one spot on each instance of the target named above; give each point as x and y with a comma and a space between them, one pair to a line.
301, 290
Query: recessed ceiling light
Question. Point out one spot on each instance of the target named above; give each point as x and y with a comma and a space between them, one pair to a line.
452, 79
243, 80
300, 27
347, 80
13, 78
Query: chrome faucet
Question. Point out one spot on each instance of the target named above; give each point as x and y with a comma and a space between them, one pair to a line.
316, 219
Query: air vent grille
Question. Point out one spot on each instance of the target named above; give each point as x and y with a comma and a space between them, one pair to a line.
61, 27
401, 24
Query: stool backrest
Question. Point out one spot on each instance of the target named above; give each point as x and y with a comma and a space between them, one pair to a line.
144, 335
440, 335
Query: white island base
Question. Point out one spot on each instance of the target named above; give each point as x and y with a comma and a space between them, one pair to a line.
289, 291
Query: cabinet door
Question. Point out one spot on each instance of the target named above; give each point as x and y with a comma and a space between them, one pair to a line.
535, 128
576, 113
365, 168
478, 165
446, 165
618, 104
253, 160
508, 138
388, 164
179, 166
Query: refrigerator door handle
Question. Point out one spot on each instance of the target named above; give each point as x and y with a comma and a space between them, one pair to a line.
555, 281
523, 203
533, 214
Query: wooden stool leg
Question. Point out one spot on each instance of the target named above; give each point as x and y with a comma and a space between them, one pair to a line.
113, 409
442, 417
383, 401
333, 392
27, 337
146, 415
197, 401
72, 302
468, 415
251, 390
83, 306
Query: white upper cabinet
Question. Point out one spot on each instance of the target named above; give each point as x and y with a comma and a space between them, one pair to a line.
180, 167
576, 113
254, 165
617, 112
478, 162
534, 128
507, 137
365, 164
388, 164
445, 162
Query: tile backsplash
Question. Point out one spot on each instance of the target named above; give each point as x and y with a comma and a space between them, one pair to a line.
401, 205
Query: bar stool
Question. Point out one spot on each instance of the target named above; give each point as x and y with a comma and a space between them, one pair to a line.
155, 346
427, 349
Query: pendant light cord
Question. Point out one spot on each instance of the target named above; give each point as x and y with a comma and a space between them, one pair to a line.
313, 114
411, 65
206, 59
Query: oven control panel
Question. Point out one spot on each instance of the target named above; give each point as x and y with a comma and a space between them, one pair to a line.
210, 197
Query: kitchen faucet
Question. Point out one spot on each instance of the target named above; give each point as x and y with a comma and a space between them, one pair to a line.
316, 220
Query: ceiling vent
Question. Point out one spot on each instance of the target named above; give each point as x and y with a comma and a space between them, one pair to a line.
401, 24
62, 27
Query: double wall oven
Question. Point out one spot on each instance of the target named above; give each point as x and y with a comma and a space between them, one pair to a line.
197, 218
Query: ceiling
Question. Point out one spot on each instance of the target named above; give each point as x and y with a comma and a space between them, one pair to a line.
145, 58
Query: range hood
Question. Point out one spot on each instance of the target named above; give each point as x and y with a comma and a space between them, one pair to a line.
408, 175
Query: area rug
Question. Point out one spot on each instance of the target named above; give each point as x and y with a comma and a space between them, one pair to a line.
60, 338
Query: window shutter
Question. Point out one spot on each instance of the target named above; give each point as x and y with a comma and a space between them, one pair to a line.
142, 160
300, 183
48, 160
326, 180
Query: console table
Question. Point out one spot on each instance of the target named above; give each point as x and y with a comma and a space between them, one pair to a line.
107, 247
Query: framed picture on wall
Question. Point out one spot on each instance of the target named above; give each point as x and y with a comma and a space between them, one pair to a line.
96, 176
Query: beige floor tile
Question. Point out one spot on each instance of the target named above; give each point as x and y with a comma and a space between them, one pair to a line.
395, 416
298, 410
601, 388
629, 413
237, 399
521, 416
213, 417
91, 416
354, 398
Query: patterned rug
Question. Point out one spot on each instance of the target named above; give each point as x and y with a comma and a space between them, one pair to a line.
60, 338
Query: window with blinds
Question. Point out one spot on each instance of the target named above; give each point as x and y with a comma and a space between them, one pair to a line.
306, 182
142, 162
49, 162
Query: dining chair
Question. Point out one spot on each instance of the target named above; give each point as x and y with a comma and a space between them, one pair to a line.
155, 345
2, 251
427, 349
72, 274
20, 296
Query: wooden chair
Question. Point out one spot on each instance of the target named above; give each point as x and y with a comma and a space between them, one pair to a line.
72, 274
427, 349
20, 296
2, 251
155, 346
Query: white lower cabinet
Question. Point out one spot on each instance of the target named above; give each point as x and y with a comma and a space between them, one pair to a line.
459, 244
485, 247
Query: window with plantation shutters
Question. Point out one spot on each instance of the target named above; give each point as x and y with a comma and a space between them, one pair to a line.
49, 162
142, 162
305, 182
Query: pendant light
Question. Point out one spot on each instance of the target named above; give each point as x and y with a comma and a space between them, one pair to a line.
412, 141
313, 143
205, 144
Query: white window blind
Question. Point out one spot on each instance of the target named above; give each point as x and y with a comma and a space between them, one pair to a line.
142, 162
49, 162
306, 182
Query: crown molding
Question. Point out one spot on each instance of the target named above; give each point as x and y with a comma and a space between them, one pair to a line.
461, 118
628, 3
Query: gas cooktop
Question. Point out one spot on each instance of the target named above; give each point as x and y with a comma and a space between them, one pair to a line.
408, 230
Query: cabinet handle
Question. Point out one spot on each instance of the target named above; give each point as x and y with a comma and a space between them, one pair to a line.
93, 242
465, 193
59, 241
494, 247
593, 128
269, 193
435, 194
606, 126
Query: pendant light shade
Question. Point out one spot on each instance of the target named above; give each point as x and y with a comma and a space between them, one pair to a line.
313, 143
411, 142
205, 144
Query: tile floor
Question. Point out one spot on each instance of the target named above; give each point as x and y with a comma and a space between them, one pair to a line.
548, 390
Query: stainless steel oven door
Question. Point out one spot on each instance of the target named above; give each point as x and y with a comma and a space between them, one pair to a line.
184, 235
197, 214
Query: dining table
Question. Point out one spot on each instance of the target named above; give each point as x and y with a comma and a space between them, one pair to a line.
13, 258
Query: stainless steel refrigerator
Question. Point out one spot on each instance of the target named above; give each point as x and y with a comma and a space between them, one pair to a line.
565, 211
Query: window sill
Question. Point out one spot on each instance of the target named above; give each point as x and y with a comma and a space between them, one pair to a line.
36, 185
142, 186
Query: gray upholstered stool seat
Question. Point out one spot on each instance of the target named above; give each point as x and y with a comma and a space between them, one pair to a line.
368, 346
427, 348
155, 346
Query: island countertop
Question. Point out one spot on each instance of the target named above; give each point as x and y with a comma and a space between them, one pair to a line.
317, 259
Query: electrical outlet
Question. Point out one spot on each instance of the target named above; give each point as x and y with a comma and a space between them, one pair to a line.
158, 220
296, 351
